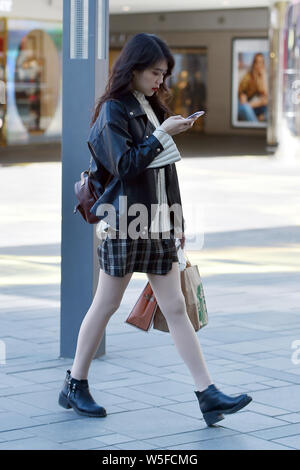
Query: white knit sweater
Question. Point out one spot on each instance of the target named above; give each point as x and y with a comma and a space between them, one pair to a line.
170, 154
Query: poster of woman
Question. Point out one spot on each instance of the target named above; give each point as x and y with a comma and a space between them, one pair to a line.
250, 82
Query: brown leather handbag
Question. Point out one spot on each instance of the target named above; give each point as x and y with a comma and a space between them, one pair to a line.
142, 314
146, 311
87, 195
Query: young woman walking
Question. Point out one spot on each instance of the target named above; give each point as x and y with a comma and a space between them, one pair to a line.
131, 140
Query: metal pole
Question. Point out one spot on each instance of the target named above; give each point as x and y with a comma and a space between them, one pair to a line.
276, 26
85, 70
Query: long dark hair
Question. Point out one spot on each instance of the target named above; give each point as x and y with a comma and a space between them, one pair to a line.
141, 51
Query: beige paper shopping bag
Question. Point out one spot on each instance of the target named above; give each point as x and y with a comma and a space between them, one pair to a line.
192, 289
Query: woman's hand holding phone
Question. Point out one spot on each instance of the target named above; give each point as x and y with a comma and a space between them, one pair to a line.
177, 124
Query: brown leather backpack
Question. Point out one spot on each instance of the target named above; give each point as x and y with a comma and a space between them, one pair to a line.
87, 195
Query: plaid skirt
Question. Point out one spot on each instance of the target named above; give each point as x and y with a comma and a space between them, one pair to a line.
118, 257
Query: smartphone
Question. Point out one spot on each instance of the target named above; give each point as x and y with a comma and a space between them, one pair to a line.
198, 114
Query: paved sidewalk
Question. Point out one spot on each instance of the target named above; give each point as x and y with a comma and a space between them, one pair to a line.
250, 265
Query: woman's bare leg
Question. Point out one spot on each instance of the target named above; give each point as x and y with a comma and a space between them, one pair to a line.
169, 296
106, 301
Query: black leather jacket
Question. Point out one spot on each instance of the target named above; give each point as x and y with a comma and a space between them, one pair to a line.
122, 144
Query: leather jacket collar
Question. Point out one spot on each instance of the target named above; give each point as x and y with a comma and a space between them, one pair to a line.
134, 109
132, 105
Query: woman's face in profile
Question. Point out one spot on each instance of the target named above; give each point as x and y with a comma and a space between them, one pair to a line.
150, 79
259, 63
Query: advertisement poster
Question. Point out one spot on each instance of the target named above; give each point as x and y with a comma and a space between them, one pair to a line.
250, 94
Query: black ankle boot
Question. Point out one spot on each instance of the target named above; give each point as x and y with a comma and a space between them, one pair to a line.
76, 394
213, 403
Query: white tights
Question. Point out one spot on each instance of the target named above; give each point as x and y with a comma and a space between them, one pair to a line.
167, 290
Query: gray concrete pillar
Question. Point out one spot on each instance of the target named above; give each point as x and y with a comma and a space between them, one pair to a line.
85, 71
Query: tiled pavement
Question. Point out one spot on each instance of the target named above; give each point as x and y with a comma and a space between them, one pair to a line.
250, 268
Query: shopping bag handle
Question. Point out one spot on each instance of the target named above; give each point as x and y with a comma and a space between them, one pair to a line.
187, 261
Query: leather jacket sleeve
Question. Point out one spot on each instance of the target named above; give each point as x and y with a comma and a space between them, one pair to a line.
113, 143
98, 174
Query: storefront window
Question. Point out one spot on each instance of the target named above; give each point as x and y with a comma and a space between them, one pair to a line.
34, 83
188, 83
